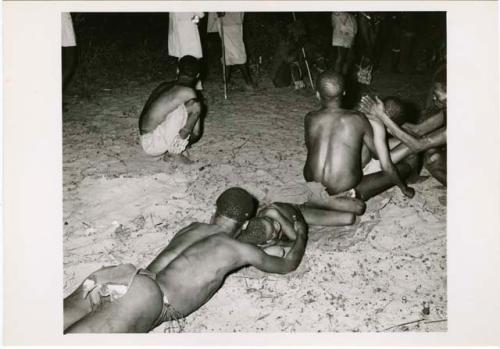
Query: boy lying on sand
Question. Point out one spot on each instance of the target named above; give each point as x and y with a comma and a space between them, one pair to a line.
170, 119
428, 136
184, 276
335, 138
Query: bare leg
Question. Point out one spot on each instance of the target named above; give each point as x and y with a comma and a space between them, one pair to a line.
342, 204
376, 183
135, 312
77, 304
75, 307
317, 216
435, 163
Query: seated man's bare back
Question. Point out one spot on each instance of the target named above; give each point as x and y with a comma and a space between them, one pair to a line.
334, 140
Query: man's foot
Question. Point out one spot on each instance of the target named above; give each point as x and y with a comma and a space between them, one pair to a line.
177, 158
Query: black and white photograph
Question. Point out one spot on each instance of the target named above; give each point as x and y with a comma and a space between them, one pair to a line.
251, 173
254, 172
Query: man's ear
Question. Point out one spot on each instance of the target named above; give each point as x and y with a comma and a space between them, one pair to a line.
245, 225
177, 71
343, 93
318, 96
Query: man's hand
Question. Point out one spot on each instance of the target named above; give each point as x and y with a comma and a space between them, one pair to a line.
409, 192
299, 227
372, 106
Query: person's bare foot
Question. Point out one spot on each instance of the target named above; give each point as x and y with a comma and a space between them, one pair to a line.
181, 159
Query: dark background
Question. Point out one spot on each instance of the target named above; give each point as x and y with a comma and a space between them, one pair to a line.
116, 49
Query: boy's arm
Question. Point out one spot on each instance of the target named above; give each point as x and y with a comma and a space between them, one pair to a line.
430, 124
196, 132
376, 108
379, 142
281, 265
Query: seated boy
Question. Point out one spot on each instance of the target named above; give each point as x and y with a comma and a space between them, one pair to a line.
428, 136
334, 139
184, 276
170, 119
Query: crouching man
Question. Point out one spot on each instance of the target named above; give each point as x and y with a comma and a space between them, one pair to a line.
170, 119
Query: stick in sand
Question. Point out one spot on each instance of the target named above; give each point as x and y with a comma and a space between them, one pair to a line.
223, 56
305, 58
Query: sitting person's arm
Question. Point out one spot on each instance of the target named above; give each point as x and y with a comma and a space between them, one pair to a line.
432, 123
376, 108
377, 142
193, 108
256, 257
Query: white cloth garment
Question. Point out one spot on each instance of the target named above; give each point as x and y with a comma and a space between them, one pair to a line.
345, 29
67, 31
233, 35
165, 137
183, 35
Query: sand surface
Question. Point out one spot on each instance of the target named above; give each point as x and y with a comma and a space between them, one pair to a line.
387, 273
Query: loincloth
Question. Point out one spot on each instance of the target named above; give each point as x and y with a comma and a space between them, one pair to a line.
165, 137
309, 192
118, 280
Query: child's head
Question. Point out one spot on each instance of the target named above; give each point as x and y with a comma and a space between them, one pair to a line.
188, 68
236, 204
395, 109
330, 85
258, 231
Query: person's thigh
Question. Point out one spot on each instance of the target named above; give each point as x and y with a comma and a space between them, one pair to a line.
135, 312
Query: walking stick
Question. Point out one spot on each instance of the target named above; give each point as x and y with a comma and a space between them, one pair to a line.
305, 58
223, 56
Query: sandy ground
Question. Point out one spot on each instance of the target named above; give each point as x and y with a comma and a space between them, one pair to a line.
388, 273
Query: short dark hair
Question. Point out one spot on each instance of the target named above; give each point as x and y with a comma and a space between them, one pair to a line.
236, 203
189, 66
395, 109
254, 233
330, 84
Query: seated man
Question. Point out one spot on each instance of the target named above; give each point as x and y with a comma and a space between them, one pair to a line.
183, 277
428, 136
334, 140
170, 119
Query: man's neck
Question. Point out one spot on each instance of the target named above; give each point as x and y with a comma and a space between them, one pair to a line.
333, 103
186, 81
226, 225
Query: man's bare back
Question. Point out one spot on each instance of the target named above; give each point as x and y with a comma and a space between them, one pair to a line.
334, 140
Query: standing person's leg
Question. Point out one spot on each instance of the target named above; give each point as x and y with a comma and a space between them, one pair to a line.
69, 60
247, 76
341, 55
135, 312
